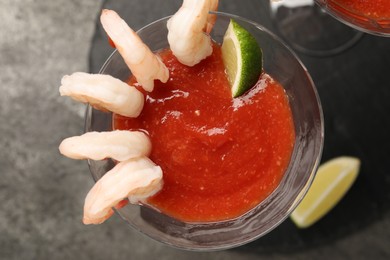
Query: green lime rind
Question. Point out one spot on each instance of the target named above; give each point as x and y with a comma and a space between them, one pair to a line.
240, 47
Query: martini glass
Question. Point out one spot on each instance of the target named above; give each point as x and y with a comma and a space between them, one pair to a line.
309, 29
283, 65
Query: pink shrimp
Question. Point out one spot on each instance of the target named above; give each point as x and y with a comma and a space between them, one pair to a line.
186, 36
134, 179
145, 66
120, 145
103, 92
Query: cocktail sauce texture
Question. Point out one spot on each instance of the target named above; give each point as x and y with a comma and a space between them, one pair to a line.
220, 156
373, 9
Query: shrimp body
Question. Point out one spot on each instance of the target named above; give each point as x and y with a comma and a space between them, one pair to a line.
145, 66
141, 194
186, 36
137, 177
119, 145
103, 92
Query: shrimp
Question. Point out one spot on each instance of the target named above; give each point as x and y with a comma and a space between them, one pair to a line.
211, 18
137, 177
103, 92
186, 27
145, 66
119, 145
141, 194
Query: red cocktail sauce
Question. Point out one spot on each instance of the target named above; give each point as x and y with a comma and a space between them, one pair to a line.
374, 9
220, 156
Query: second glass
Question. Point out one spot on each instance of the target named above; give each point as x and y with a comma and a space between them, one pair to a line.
328, 27
371, 17
310, 30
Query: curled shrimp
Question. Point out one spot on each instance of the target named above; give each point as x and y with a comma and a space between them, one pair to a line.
103, 92
145, 66
138, 177
186, 35
119, 145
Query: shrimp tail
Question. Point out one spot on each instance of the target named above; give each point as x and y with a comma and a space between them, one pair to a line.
90, 220
120, 145
103, 92
211, 18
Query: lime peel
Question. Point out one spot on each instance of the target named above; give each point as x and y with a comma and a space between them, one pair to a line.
242, 58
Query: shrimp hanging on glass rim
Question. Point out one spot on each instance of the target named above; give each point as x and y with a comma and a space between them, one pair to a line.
120, 145
103, 92
188, 31
142, 62
134, 179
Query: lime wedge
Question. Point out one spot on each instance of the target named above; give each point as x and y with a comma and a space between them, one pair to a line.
242, 58
333, 180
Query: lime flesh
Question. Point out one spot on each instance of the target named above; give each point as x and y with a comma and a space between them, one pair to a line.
242, 58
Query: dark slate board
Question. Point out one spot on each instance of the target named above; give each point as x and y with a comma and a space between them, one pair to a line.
354, 88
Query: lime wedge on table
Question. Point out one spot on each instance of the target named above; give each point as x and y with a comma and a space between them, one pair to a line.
331, 183
242, 58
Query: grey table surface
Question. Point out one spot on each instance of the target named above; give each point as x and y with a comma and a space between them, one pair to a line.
42, 193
